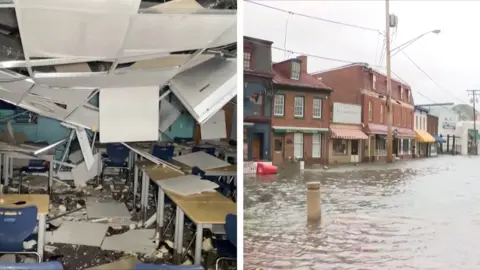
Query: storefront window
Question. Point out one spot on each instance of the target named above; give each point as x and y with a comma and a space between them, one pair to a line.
340, 147
381, 146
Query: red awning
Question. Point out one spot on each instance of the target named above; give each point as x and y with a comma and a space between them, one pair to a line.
377, 129
347, 133
405, 132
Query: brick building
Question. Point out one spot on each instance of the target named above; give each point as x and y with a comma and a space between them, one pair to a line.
361, 85
301, 113
432, 128
257, 93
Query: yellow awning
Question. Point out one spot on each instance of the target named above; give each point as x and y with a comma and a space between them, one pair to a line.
423, 136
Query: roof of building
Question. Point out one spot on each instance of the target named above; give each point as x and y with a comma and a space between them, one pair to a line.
258, 40
377, 69
281, 75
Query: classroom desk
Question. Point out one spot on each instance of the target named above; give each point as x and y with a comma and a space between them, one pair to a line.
41, 201
229, 172
207, 208
156, 173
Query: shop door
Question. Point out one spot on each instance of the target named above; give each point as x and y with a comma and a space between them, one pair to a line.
298, 145
354, 150
256, 149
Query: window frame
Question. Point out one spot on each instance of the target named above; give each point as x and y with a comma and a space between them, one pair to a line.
295, 107
249, 53
321, 108
382, 112
319, 144
342, 142
294, 73
282, 105
370, 111
374, 82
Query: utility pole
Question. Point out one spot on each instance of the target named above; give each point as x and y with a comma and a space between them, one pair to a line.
389, 85
474, 94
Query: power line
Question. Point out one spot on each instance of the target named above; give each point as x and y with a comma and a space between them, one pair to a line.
337, 60
429, 77
316, 18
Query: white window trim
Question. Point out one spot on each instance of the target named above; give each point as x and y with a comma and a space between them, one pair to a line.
315, 144
374, 82
299, 143
382, 114
275, 105
295, 105
370, 111
249, 60
321, 108
295, 72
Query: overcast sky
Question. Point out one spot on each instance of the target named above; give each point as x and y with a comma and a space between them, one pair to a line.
450, 58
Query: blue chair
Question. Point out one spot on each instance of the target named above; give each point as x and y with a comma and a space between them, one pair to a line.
34, 166
53, 265
116, 157
16, 225
206, 149
227, 249
146, 266
163, 152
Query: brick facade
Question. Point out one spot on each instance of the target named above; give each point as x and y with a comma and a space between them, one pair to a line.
310, 89
359, 84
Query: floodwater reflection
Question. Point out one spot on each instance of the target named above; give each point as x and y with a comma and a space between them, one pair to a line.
420, 214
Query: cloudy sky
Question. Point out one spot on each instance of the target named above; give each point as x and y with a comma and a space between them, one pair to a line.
450, 58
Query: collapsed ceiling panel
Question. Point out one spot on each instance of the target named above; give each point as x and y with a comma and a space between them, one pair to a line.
70, 33
206, 88
119, 78
168, 115
167, 32
215, 127
129, 114
106, 6
173, 60
177, 4
85, 117
13, 86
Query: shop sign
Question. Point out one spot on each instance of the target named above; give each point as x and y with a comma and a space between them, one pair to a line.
300, 130
347, 113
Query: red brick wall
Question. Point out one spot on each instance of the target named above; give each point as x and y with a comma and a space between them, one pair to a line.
432, 124
346, 84
307, 121
397, 113
289, 120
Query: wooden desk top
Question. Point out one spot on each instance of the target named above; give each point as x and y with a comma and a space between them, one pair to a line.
203, 197
208, 212
159, 172
41, 201
141, 164
223, 171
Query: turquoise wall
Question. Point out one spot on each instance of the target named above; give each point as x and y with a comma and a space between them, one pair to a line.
182, 127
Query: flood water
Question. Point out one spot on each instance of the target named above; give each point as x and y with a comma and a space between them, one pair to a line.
421, 214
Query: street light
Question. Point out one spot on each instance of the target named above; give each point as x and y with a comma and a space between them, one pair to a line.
408, 43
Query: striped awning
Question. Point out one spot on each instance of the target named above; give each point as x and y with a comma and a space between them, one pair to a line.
352, 133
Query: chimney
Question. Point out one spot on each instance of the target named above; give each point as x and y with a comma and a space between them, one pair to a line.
303, 67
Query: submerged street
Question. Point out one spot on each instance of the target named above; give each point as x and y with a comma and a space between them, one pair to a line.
419, 214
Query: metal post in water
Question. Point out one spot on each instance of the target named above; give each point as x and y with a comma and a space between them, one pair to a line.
314, 208
302, 165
